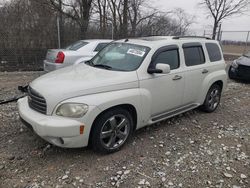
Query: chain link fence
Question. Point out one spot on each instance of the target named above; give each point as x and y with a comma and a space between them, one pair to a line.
20, 51
26, 52
234, 43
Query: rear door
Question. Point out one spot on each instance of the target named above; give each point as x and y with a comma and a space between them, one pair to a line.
195, 71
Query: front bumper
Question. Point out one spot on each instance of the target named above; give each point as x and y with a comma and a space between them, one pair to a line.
241, 73
60, 131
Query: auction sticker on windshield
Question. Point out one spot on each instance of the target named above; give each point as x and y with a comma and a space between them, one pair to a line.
136, 52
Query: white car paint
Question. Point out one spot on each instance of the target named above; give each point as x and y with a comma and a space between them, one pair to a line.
154, 96
72, 56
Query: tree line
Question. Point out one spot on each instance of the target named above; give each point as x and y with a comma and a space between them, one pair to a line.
33, 23
29, 27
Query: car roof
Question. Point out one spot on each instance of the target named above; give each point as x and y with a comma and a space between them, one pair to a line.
155, 41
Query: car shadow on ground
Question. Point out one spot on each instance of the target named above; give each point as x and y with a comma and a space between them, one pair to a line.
47, 150
241, 81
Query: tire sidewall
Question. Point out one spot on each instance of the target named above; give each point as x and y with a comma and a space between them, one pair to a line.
206, 103
97, 127
230, 74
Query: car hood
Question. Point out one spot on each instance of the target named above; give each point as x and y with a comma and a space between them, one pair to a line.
80, 80
243, 61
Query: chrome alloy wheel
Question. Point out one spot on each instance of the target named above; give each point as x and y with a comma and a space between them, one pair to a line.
115, 131
214, 99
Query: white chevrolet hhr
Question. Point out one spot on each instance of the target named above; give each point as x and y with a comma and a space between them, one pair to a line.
129, 84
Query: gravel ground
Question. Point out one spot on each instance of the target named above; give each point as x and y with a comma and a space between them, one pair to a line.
194, 149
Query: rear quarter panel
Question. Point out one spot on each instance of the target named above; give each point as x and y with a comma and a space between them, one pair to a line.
217, 73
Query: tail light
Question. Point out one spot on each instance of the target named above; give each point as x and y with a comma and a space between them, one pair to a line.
60, 57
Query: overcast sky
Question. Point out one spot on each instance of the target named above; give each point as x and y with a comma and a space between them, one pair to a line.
202, 22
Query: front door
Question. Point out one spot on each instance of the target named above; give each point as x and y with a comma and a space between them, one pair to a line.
166, 90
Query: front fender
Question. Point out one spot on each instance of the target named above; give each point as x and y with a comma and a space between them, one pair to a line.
139, 98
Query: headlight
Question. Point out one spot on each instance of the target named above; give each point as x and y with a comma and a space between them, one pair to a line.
73, 110
234, 64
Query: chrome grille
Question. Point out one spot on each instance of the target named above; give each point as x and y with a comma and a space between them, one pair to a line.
36, 101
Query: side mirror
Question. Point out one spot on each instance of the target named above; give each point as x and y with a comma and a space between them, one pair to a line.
160, 69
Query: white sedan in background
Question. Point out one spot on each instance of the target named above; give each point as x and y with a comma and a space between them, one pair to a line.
83, 49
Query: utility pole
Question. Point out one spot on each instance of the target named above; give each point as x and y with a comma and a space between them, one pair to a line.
219, 33
248, 33
58, 32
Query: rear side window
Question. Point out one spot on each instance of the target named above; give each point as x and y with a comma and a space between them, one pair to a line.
213, 52
77, 45
170, 57
100, 46
194, 55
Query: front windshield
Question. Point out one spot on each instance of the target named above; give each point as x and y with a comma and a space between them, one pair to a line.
247, 54
120, 56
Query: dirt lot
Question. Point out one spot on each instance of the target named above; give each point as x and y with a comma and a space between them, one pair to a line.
195, 149
234, 49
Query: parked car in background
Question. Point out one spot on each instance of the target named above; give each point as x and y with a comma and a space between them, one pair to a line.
130, 84
84, 49
240, 68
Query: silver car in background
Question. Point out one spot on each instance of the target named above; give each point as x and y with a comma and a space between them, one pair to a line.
84, 49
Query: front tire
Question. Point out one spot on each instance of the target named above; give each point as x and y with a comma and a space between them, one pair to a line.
212, 100
230, 73
111, 130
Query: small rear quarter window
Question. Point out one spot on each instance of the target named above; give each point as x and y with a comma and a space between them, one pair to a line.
214, 52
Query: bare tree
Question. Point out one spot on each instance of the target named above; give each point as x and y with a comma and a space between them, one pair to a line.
78, 10
137, 15
102, 10
183, 21
221, 9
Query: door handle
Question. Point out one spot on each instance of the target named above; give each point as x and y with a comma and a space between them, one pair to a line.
205, 71
177, 77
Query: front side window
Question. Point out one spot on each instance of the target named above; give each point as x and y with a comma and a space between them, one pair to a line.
213, 52
194, 55
100, 46
170, 57
120, 57
77, 45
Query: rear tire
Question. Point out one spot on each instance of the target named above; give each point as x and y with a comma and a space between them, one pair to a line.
111, 130
212, 100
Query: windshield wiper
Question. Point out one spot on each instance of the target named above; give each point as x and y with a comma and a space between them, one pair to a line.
89, 62
103, 66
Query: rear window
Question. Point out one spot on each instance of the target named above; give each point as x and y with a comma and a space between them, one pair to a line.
77, 45
100, 46
194, 55
213, 52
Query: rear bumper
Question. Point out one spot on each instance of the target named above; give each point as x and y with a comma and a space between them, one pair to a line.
60, 131
49, 66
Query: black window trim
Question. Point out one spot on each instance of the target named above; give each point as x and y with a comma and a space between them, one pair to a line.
192, 45
164, 49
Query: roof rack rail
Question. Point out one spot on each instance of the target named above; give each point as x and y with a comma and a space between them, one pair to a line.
200, 37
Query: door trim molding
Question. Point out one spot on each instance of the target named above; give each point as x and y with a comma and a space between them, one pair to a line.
174, 112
